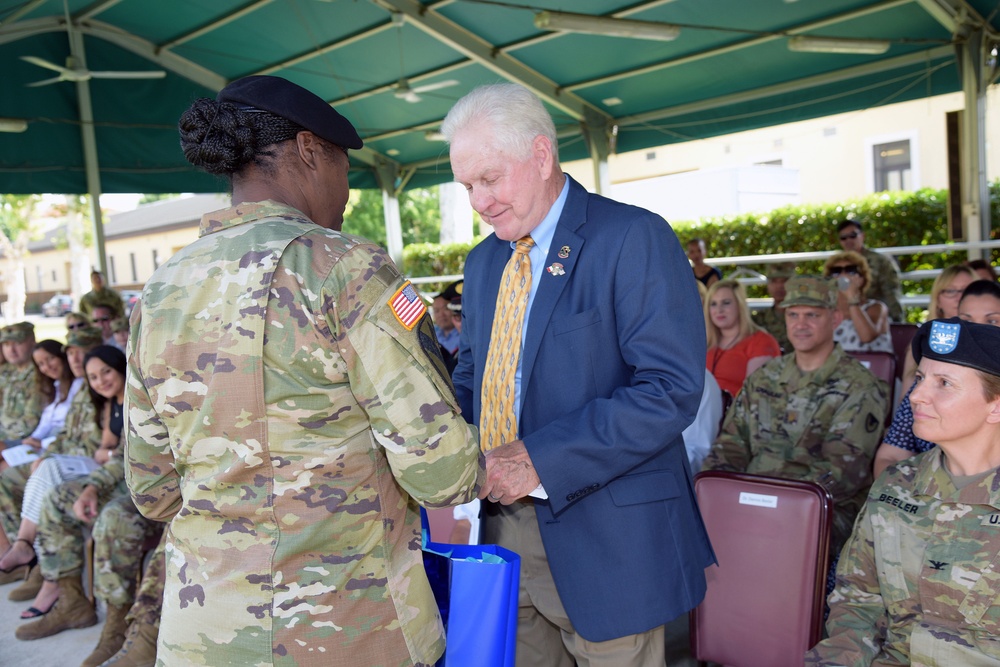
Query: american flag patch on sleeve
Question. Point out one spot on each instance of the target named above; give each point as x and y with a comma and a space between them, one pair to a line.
407, 306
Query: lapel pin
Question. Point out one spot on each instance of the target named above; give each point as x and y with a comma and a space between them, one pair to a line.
564, 252
556, 269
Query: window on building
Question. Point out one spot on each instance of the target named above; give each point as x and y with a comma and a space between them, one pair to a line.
54, 279
112, 274
156, 259
135, 274
891, 166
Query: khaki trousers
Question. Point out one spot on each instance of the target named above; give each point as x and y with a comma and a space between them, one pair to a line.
545, 636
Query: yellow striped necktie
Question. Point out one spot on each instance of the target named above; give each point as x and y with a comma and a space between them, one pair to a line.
497, 421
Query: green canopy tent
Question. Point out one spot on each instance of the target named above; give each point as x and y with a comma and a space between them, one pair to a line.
395, 67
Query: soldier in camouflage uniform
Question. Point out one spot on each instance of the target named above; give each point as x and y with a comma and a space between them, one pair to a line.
139, 649
772, 320
918, 581
101, 295
288, 409
815, 414
884, 285
22, 401
80, 436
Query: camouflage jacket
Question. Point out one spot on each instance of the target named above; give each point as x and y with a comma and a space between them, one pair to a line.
104, 297
822, 426
22, 403
286, 406
884, 284
772, 320
919, 581
80, 435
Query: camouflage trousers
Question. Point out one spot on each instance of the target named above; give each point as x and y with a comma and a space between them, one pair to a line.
149, 597
119, 533
12, 483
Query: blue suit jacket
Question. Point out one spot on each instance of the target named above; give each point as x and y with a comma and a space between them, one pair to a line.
612, 373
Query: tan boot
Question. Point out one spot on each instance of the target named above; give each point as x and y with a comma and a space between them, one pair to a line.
73, 610
139, 649
29, 589
112, 636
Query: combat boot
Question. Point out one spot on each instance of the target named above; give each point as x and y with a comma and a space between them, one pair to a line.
72, 610
139, 649
112, 636
29, 589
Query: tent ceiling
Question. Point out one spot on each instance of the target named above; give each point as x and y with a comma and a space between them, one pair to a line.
729, 70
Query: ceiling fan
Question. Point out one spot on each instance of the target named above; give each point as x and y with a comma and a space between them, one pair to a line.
74, 72
403, 90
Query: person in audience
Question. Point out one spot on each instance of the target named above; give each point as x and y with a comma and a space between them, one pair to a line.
444, 323
76, 321
865, 325
884, 284
22, 400
143, 619
101, 295
119, 332
455, 310
983, 269
736, 346
79, 437
917, 583
945, 294
50, 357
102, 316
815, 414
706, 275
99, 499
980, 303
772, 320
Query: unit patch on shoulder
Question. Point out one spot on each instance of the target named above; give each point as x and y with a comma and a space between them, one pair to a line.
407, 306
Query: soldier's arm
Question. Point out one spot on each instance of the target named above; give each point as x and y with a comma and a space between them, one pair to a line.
731, 450
857, 624
849, 440
150, 468
398, 378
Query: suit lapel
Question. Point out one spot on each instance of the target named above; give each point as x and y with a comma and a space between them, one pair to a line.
552, 285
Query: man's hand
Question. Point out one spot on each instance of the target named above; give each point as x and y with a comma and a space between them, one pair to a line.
509, 474
85, 507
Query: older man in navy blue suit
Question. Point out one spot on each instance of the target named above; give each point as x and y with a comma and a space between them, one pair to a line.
609, 374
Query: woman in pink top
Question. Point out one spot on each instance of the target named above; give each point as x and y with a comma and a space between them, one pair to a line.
736, 346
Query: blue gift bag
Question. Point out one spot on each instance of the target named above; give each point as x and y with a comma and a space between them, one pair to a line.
475, 587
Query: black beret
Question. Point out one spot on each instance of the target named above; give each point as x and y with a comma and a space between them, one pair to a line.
956, 341
292, 102
451, 291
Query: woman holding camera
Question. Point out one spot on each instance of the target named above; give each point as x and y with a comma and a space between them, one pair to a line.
866, 321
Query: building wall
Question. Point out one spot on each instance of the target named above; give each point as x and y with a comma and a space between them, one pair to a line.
832, 154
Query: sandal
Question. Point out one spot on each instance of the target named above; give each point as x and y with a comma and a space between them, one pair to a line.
35, 612
30, 564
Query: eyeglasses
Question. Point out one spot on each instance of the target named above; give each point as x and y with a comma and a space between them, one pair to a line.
78, 325
852, 235
951, 293
837, 270
102, 319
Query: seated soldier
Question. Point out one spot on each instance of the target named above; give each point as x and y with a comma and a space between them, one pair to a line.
772, 320
813, 415
22, 401
143, 619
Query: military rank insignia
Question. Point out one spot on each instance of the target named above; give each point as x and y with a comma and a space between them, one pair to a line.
407, 306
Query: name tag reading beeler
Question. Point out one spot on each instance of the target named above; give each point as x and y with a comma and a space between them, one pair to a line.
758, 500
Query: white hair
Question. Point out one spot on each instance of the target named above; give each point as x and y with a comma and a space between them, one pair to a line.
511, 112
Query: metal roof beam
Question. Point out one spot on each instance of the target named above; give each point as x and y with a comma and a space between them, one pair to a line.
21, 11
958, 17
218, 23
790, 86
484, 53
739, 46
94, 9
326, 48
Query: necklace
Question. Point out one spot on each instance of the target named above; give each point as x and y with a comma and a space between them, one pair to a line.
116, 410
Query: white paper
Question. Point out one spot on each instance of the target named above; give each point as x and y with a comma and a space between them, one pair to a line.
19, 455
758, 499
75, 466
539, 493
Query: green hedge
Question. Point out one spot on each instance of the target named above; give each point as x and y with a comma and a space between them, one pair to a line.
889, 219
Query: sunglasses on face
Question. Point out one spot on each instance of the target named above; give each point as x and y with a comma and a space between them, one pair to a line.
78, 325
102, 319
852, 235
837, 270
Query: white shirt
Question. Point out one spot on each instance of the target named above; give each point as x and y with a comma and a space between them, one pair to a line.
54, 415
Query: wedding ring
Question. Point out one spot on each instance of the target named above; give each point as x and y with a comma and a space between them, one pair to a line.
493, 498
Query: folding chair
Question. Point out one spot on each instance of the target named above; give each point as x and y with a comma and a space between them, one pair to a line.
883, 366
901, 333
764, 604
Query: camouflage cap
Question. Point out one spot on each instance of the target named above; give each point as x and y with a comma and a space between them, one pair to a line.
87, 336
17, 333
780, 270
810, 291
957, 341
119, 324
